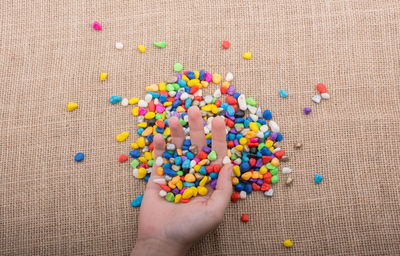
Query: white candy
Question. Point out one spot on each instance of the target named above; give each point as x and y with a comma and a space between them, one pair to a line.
156, 101
252, 109
159, 161
171, 147
163, 193
202, 103
167, 177
140, 119
229, 76
238, 161
245, 131
286, 170
274, 126
226, 160
264, 128
259, 113
148, 170
148, 97
172, 93
199, 176
192, 163
217, 93
184, 96
167, 114
143, 103
243, 194
254, 117
186, 118
325, 96
316, 99
198, 93
259, 134
119, 45
192, 171
270, 192
242, 102
160, 181
206, 130
208, 99
135, 173
125, 102
275, 150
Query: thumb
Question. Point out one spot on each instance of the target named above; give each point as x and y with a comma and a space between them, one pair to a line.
220, 198
159, 147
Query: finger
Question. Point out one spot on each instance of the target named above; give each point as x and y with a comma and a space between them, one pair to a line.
219, 138
177, 133
196, 128
159, 148
220, 198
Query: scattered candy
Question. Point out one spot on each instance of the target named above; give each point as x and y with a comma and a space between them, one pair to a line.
321, 88
115, 99
298, 145
318, 178
97, 26
287, 243
178, 67
247, 55
72, 106
119, 45
142, 48
245, 217
307, 110
229, 77
289, 181
286, 170
125, 102
122, 136
79, 157
225, 44
283, 93
325, 96
316, 99
161, 44
103, 76
137, 202
269, 193
123, 158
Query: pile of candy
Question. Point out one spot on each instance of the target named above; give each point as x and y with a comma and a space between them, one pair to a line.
251, 136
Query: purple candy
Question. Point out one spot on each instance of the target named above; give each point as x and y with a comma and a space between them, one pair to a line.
206, 149
204, 122
214, 183
236, 142
179, 76
233, 130
183, 158
231, 90
175, 191
259, 163
229, 116
178, 96
176, 114
274, 135
259, 182
252, 180
307, 110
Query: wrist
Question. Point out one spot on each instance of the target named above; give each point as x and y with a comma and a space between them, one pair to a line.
156, 246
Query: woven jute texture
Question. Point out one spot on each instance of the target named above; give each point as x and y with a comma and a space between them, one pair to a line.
50, 55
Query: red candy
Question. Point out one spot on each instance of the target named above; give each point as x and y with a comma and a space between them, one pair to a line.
267, 177
218, 103
122, 158
152, 106
186, 72
231, 100
265, 187
209, 169
202, 155
198, 98
266, 159
235, 197
321, 88
255, 187
160, 123
224, 90
245, 217
151, 146
225, 44
231, 144
194, 89
217, 168
252, 161
183, 200
279, 154
229, 122
165, 188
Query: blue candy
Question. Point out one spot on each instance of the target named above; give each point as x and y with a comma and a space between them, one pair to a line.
248, 188
318, 178
213, 175
134, 153
176, 103
167, 165
197, 182
137, 201
244, 167
79, 156
203, 170
239, 187
239, 120
115, 99
246, 123
283, 93
170, 172
186, 164
187, 89
279, 137
202, 75
147, 177
154, 94
190, 75
261, 121
236, 95
190, 155
188, 103
239, 136
159, 130
178, 160
167, 155
267, 114
150, 137
224, 105
230, 110
265, 151
163, 98
182, 83
188, 184
187, 143
140, 131
231, 136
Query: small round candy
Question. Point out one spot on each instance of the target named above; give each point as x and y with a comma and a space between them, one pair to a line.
178, 67
245, 217
225, 44
307, 110
79, 157
287, 243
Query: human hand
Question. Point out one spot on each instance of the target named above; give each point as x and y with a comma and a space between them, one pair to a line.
166, 228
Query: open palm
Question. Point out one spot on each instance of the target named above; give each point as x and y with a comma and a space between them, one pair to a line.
175, 227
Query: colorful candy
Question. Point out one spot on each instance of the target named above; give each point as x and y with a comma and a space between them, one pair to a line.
307, 110
97, 26
245, 217
318, 178
79, 157
283, 93
225, 44
247, 55
103, 76
287, 243
72, 106
137, 201
178, 67
119, 45
142, 48
160, 44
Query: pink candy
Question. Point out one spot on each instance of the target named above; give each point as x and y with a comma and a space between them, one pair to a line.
160, 108
142, 111
208, 77
97, 26
254, 140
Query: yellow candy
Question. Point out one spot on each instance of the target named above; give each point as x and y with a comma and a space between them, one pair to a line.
193, 82
255, 175
148, 156
202, 162
134, 146
243, 141
152, 88
269, 143
177, 198
167, 103
203, 181
206, 107
167, 132
190, 177
160, 171
142, 125
246, 175
171, 185
236, 170
226, 84
196, 74
228, 153
287, 243
196, 168
263, 170
185, 78
214, 109
135, 111
188, 193
147, 131
235, 181
271, 148
141, 173
103, 76
247, 55
179, 152
195, 191
179, 185
275, 161
204, 84
154, 129
142, 48
216, 78
180, 109
202, 190
133, 101
141, 142
163, 114
142, 159
253, 126
162, 86
122, 136
250, 134
72, 106
175, 179
209, 136
239, 148
149, 115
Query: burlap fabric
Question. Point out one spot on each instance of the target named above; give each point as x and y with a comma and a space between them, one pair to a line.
50, 55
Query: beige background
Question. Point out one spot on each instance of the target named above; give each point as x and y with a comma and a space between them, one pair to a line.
50, 55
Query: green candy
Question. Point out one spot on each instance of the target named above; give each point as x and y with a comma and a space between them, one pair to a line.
150, 162
258, 124
270, 166
214, 100
180, 173
158, 116
170, 197
183, 123
274, 171
212, 156
160, 44
178, 67
176, 86
250, 101
134, 163
260, 146
170, 87
234, 157
274, 179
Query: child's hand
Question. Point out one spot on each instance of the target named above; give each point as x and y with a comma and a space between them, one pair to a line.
166, 228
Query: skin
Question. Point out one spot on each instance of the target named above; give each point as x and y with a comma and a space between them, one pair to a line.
171, 229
